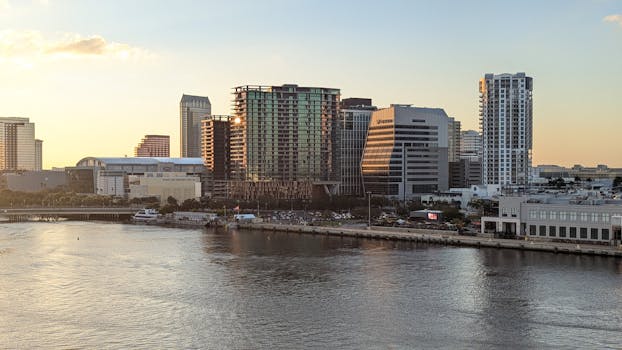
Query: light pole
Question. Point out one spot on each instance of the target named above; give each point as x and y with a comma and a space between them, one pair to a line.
368, 209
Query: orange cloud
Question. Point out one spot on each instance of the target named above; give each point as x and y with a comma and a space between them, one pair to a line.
614, 19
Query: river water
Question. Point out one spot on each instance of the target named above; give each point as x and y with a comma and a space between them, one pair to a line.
109, 286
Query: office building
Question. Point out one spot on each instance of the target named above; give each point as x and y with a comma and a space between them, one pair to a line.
38, 155
162, 185
283, 141
215, 152
471, 145
558, 218
191, 110
33, 181
352, 129
406, 152
506, 123
153, 146
17, 144
453, 140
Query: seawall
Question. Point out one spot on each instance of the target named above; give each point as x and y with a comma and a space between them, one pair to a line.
441, 237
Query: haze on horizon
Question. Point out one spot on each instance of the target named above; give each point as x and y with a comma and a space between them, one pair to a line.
97, 76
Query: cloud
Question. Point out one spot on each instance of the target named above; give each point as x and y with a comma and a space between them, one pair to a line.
29, 46
617, 18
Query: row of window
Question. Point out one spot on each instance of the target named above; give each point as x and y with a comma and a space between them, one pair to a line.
569, 232
569, 216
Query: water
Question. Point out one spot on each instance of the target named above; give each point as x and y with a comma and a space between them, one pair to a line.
124, 286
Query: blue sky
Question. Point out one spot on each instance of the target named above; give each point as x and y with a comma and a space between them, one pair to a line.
428, 53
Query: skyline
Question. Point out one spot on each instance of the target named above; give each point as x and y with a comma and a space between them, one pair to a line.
82, 80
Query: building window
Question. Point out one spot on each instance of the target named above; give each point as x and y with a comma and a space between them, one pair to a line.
562, 231
542, 215
594, 217
605, 234
532, 230
533, 214
606, 217
583, 233
583, 216
542, 230
553, 215
573, 216
573, 232
562, 216
552, 230
594, 234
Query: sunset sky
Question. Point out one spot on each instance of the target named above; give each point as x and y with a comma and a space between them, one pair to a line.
95, 76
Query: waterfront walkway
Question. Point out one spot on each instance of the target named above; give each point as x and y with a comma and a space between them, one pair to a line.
442, 237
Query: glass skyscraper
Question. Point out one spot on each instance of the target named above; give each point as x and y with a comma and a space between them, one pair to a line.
192, 109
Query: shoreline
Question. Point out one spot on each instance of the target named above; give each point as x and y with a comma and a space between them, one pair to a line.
442, 238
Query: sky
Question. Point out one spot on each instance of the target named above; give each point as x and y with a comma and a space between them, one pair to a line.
96, 76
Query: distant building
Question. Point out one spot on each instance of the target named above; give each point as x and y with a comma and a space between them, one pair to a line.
178, 185
283, 141
112, 175
506, 120
38, 154
352, 129
17, 144
153, 146
191, 110
601, 171
471, 145
465, 173
34, 181
215, 134
406, 152
453, 140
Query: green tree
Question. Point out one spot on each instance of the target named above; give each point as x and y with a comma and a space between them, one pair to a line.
617, 181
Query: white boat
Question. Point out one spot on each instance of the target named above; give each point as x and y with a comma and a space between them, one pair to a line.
146, 215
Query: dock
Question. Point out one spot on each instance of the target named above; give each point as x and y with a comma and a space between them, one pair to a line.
442, 238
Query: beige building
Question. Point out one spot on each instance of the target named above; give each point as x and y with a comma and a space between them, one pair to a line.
17, 144
178, 185
153, 146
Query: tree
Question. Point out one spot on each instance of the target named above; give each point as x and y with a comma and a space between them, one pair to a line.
617, 181
172, 201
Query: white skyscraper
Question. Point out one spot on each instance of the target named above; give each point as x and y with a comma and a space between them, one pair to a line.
17, 144
506, 123
471, 145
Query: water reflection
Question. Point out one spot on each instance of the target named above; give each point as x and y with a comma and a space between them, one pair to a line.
150, 287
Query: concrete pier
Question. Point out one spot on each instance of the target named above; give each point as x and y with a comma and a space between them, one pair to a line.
442, 237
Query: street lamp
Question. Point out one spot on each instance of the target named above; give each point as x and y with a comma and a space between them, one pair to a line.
368, 209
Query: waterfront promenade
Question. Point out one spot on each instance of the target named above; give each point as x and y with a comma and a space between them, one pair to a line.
442, 237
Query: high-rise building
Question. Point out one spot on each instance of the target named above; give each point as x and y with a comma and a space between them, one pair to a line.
215, 151
453, 140
506, 120
406, 152
191, 110
17, 144
285, 135
352, 129
38, 154
153, 146
471, 145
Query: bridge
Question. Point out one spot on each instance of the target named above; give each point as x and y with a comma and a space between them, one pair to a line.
78, 213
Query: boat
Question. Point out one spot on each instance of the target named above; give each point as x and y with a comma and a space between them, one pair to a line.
146, 215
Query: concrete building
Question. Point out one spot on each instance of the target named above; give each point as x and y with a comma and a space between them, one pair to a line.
192, 109
601, 171
215, 134
471, 145
85, 176
453, 140
178, 185
566, 218
406, 152
17, 144
465, 173
352, 128
285, 135
38, 155
34, 181
506, 120
153, 146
